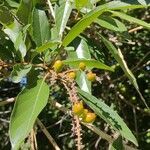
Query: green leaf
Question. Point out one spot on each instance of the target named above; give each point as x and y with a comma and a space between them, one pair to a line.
5, 16
82, 81
20, 71
128, 4
80, 3
40, 27
47, 45
12, 3
117, 144
108, 114
82, 50
111, 23
6, 47
131, 19
90, 63
82, 24
14, 31
24, 11
29, 103
62, 15
120, 59
92, 15
144, 2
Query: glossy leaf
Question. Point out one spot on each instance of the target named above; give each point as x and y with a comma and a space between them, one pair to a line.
131, 19
82, 81
108, 114
62, 15
82, 24
14, 31
47, 45
92, 15
20, 71
80, 3
24, 11
144, 2
111, 23
29, 103
40, 27
5, 16
90, 63
128, 4
82, 50
6, 47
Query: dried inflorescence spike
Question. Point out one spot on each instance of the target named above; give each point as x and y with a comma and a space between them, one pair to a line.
78, 134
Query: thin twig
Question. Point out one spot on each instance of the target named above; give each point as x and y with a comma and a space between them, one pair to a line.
8, 101
32, 139
47, 134
135, 29
51, 8
135, 122
35, 141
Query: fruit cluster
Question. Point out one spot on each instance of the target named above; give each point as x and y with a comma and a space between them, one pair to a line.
58, 65
83, 114
78, 109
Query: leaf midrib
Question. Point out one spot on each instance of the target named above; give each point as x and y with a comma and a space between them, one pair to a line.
35, 104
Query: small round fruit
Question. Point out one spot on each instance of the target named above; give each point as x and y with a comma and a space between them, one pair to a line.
83, 115
90, 118
72, 75
147, 110
91, 76
58, 65
78, 108
82, 66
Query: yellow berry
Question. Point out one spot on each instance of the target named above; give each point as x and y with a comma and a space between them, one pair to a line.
58, 65
83, 115
90, 117
91, 76
78, 108
72, 75
82, 66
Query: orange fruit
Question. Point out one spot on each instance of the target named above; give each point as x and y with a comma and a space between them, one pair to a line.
78, 108
91, 76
